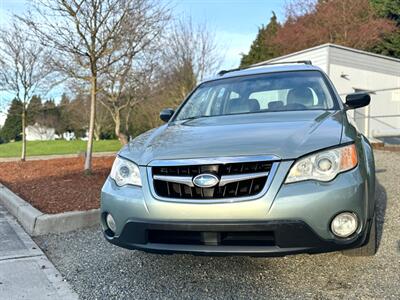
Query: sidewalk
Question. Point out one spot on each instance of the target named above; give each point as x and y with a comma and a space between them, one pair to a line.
25, 272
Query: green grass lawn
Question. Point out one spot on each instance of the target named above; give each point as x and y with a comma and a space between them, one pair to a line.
56, 147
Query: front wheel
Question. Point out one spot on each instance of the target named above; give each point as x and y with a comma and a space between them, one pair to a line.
370, 248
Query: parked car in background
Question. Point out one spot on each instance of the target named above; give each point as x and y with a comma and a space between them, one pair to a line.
256, 161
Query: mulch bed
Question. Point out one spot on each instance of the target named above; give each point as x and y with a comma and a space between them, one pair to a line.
57, 185
384, 147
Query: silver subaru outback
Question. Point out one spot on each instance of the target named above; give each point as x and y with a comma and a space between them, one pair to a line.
257, 161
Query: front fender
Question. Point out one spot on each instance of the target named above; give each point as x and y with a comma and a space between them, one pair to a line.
368, 161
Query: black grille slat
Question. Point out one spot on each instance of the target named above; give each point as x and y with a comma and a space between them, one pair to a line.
243, 188
224, 192
168, 189
227, 169
180, 190
251, 186
237, 188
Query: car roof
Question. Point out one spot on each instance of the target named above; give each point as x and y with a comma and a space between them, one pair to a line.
265, 69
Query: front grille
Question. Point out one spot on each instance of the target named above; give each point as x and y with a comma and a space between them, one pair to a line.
240, 188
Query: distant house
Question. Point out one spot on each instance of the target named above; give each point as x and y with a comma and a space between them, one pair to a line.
353, 70
39, 133
68, 135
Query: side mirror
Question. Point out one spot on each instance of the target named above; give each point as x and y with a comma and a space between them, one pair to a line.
357, 100
166, 114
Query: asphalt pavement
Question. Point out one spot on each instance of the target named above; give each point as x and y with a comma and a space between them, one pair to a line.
99, 270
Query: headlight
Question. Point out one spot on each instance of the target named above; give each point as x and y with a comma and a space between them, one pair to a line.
324, 165
125, 172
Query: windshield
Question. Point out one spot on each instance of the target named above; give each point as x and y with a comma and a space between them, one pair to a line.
283, 91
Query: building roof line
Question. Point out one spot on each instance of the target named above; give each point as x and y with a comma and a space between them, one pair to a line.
328, 45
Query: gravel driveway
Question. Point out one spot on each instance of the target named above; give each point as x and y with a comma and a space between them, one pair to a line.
98, 270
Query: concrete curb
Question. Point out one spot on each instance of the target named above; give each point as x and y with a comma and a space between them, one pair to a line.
37, 223
65, 222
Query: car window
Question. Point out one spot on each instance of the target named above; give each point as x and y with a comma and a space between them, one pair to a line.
283, 91
233, 95
264, 98
217, 102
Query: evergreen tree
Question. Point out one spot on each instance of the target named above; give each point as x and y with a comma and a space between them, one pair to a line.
63, 110
1, 139
390, 45
12, 128
263, 47
64, 102
388, 8
50, 115
34, 109
49, 106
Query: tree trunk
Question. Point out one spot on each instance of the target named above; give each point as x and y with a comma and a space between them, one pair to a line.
89, 148
127, 119
97, 131
117, 119
97, 135
23, 154
122, 137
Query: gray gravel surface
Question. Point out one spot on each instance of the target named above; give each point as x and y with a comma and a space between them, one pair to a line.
98, 270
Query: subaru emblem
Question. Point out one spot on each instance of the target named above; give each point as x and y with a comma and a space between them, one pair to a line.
205, 180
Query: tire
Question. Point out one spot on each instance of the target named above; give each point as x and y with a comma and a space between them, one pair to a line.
370, 248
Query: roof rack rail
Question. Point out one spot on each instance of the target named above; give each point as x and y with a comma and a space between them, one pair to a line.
223, 72
306, 62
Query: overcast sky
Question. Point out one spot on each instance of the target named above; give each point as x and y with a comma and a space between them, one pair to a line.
235, 22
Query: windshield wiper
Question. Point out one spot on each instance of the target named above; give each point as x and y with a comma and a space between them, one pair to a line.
193, 118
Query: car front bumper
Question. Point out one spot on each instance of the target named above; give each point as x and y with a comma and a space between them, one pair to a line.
272, 238
287, 219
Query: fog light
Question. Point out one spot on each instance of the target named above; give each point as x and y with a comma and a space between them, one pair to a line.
111, 223
344, 224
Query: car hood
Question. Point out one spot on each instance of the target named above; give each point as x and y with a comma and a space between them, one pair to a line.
287, 135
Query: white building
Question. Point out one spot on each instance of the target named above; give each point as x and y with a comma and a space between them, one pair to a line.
39, 133
68, 136
353, 70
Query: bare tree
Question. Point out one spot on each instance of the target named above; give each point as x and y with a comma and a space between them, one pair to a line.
140, 91
187, 54
23, 69
121, 86
191, 52
120, 81
87, 36
103, 121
